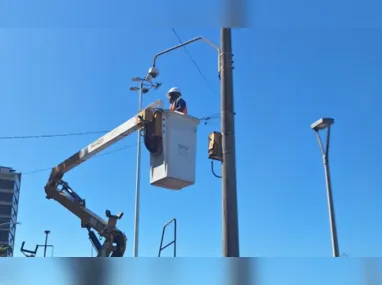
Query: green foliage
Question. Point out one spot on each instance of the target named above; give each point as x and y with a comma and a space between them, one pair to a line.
3, 250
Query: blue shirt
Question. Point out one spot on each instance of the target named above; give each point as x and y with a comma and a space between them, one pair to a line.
179, 105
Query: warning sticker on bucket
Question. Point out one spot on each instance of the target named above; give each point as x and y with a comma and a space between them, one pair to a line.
182, 150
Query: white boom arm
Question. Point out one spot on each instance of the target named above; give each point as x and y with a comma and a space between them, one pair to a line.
72, 201
102, 143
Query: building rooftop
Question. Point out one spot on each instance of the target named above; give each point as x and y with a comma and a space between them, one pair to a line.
4, 169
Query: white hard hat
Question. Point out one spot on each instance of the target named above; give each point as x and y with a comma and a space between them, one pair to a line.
174, 90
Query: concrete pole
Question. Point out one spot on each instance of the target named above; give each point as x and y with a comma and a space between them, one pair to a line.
138, 180
229, 196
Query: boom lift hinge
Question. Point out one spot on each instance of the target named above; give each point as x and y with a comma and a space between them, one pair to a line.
114, 245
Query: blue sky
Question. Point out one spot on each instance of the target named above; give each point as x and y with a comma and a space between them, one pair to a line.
74, 80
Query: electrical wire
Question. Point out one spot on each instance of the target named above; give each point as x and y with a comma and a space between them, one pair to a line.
98, 155
213, 170
52, 135
208, 118
205, 119
193, 61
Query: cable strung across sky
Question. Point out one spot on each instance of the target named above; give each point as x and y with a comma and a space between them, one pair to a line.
205, 119
194, 62
51, 136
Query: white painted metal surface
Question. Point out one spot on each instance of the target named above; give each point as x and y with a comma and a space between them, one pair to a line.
174, 169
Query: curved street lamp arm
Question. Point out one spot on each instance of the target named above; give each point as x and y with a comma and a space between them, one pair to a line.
184, 44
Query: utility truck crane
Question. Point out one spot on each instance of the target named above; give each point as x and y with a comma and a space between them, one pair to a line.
167, 157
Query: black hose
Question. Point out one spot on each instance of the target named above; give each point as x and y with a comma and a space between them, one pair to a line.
152, 142
213, 171
120, 241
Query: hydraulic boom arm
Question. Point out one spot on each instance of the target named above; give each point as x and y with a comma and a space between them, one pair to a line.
59, 190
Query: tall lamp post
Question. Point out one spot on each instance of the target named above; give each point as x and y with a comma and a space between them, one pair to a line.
325, 124
145, 84
230, 228
46, 241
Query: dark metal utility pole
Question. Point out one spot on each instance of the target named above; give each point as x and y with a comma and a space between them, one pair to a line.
229, 193
46, 241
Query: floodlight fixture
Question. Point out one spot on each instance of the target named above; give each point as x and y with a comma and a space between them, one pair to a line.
136, 79
322, 123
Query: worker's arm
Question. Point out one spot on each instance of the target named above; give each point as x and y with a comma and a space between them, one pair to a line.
180, 105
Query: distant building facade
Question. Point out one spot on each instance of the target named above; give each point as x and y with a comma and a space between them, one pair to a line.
10, 182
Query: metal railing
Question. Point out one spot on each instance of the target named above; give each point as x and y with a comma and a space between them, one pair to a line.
173, 242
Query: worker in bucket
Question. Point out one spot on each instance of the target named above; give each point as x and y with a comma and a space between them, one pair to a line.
177, 103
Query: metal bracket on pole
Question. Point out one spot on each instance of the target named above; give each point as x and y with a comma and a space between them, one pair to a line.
222, 61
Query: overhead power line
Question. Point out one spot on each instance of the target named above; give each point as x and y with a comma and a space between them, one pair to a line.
98, 155
51, 135
193, 61
205, 119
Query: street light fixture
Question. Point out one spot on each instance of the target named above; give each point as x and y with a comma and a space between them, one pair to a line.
136, 79
144, 87
152, 73
322, 124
